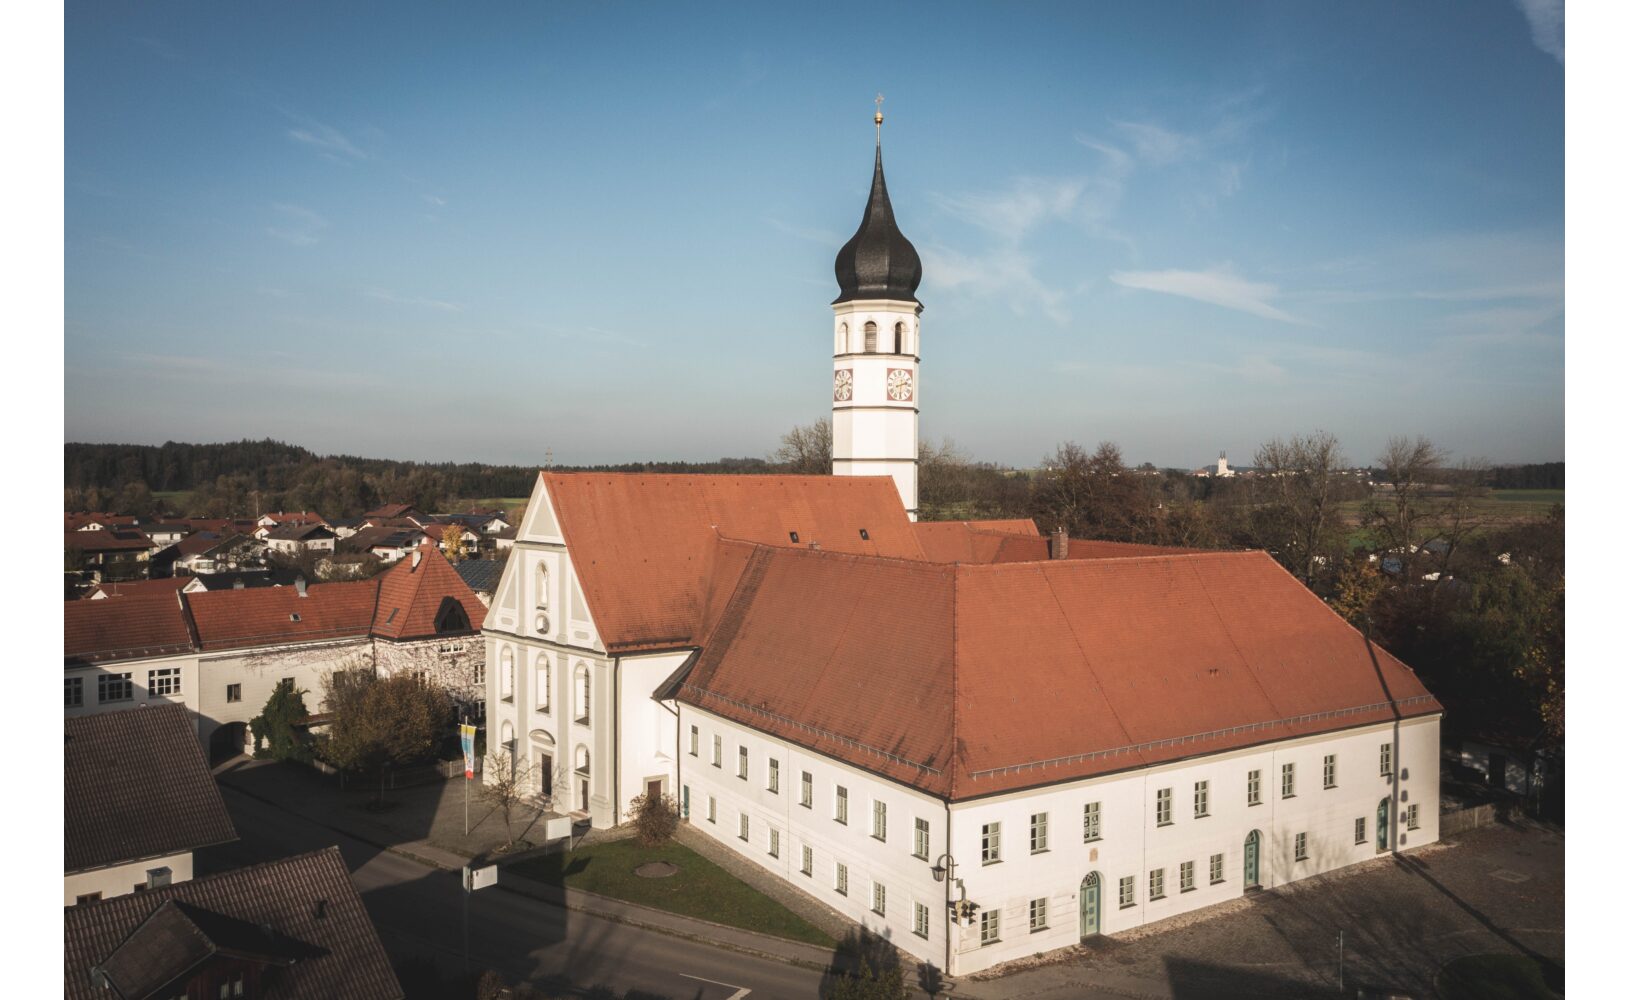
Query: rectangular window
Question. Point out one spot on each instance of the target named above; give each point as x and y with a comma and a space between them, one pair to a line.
880, 899
89, 897
806, 791
113, 687
1412, 817
809, 860
1329, 770
842, 883
1038, 915
695, 742
1185, 877
234, 692
1127, 891
743, 834
718, 751
164, 681
74, 693
990, 927
775, 842
1089, 822
1157, 883
1301, 847
990, 843
1253, 788
1216, 868
1358, 830
1163, 807
919, 840
775, 776
1202, 799
1038, 833
919, 920
1386, 760
842, 807
712, 809
1287, 781
880, 820
741, 763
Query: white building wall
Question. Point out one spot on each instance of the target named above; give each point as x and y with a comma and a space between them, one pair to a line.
874, 434
121, 880
1130, 843
646, 728
256, 673
140, 680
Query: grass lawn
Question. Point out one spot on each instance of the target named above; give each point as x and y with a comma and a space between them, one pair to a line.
1546, 497
1498, 977
701, 889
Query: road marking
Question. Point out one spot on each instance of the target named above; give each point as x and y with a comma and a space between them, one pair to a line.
741, 991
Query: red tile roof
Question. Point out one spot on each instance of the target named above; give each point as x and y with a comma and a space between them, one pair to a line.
108, 540
411, 597
140, 588
308, 900
968, 680
127, 628
263, 616
980, 541
642, 544
390, 510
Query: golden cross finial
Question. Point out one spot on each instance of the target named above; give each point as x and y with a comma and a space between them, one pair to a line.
878, 118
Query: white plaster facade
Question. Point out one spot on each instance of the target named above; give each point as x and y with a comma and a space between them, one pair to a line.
875, 392
1131, 842
122, 879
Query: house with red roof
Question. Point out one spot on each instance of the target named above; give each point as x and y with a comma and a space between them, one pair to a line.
977, 740
222, 652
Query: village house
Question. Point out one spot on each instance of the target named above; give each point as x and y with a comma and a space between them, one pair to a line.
294, 539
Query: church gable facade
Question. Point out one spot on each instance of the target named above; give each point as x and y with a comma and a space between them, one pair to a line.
979, 741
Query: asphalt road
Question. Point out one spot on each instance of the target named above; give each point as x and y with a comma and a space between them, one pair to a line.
418, 912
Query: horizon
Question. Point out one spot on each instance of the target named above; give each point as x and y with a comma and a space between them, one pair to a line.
1183, 231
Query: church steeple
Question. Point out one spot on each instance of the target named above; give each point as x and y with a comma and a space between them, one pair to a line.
878, 262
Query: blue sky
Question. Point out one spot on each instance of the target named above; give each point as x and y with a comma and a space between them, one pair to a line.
424, 232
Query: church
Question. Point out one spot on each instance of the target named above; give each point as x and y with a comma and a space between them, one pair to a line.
977, 740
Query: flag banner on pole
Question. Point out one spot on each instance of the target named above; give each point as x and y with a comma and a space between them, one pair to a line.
466, 739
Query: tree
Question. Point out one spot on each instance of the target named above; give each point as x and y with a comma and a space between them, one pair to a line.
1089, 495
274, 728
1400, 515
452, 542
398, 720
506, 781
806, 450
865, 966
656, 817
1298, 520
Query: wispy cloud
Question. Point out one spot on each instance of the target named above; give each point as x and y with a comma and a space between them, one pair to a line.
1219, 287
1156, 145
430, 199
386, 295
824, 237
1546, 24
299, 226
325, 139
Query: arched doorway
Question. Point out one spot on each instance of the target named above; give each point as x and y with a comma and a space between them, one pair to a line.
227, 742
1383, 828
1253, 860
1091, 905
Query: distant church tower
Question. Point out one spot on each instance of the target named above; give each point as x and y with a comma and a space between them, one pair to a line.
875, 347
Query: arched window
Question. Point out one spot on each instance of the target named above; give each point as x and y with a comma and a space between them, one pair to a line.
543, 685
506, 674
580, 693
843, 339
871, 337
899, 338
543, 586
507, 734
582, 760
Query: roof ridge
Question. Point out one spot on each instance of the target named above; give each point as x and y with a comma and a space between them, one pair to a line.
1207, 553
804, 550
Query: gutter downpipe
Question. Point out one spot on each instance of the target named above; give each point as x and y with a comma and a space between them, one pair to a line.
616, 744
949, 923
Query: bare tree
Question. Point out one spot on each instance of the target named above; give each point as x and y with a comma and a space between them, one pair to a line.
1089, 495
1401, 513
806, 449
1299, 520
507, 780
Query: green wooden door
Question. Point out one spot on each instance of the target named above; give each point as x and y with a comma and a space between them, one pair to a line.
1383, 813
1253, 845
1091, 886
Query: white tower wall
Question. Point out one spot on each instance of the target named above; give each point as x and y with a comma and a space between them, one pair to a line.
876, 393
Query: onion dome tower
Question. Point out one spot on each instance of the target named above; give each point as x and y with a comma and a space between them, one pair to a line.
875, 346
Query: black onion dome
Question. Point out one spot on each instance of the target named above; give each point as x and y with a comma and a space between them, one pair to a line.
878, 262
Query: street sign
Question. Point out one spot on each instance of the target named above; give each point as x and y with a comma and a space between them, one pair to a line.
466, 740
480, 878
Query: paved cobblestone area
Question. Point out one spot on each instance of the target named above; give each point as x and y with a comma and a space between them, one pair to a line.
1495, 889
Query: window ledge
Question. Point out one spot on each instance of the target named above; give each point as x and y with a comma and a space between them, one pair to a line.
1128, 906
987, 944
1091, 840
1189, 889
993, 861
1038, 930
1217, 881
880, 840
1166, 823
1204, 815
1039, 850
1156, 899
1248, 805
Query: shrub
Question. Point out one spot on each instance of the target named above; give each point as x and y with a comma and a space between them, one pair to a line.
274, 728
656, 817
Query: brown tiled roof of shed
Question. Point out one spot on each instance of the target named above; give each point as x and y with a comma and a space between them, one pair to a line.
642, 544
131, 627
263, 616
1037, 672
307, 900
411, 597
136, 785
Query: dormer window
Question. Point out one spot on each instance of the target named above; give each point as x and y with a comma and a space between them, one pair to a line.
294, 616
864, 536
794, 536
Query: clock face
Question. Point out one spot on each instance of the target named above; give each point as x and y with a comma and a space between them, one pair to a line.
843, 385
900, 385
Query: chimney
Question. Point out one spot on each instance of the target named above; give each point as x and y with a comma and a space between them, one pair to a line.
1060, 544
300, 585
816, 546
237, 584
418, 553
